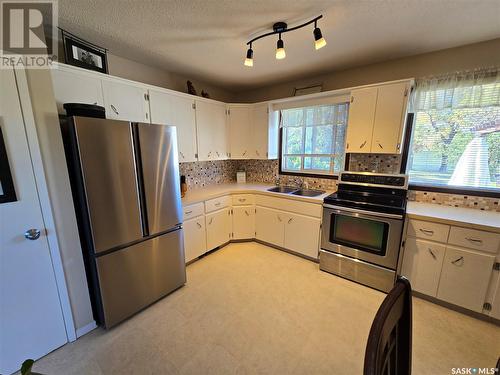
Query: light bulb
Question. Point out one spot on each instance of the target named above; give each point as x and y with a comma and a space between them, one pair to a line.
319, 41
280, 50
249, 58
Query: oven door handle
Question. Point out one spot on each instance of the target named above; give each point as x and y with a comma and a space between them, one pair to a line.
364, 212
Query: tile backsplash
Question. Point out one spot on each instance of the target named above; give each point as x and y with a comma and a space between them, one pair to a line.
199, 174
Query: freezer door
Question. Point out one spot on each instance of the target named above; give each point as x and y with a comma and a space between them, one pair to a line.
160, 173
109, 174
133, 278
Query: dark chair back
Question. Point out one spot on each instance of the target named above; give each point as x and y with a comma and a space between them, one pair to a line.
388, 350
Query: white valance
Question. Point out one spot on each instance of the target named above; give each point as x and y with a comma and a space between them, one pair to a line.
471, 89
311, 102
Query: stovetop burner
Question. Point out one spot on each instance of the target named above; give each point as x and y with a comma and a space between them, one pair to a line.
371, 192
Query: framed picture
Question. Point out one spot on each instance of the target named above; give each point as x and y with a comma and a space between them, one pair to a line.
297, 91
7, 192
85, 55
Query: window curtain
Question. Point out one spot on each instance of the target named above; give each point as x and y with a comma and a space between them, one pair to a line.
469, 89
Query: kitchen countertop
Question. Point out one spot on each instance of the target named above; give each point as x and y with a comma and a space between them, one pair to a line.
468, 217
215, 191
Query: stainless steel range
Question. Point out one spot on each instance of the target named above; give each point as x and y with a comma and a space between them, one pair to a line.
362, 228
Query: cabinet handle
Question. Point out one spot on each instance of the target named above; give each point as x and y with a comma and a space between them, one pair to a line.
379, 145
182, 155
362, 144
246, 213
217, 204
242, 200
188, 212
352, 99
347, 146
209, 153
474, 240
244, 153
427, 231
217, 152
211, 220
199, 225
257, 152
279, 219
398, 146
457, 260
432, 253
114, 109
95, 103
290, 220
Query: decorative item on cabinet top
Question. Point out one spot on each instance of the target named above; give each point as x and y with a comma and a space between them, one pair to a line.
81, 53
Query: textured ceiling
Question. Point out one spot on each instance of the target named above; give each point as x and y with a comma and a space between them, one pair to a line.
206, 39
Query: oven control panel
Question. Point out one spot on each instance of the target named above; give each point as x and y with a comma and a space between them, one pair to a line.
395, 180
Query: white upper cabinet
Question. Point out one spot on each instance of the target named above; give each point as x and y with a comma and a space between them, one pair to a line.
212, 130
261, 130
179, 111
76, 87
376, 118
389, 118
240, 131
124, 101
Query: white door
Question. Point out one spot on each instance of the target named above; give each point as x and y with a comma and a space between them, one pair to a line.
243, 222
465, 277
422, 265
219, 228
302, 234
125, 101
260, 130
169, 109
269, 226
195, 242
31, 319
75, 88
361, 117
240, 132
211, 130
389, 118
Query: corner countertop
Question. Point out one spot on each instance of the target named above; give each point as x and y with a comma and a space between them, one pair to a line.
468, 217
214, 191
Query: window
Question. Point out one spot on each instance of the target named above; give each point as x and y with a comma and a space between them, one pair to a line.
455, 140
313, 139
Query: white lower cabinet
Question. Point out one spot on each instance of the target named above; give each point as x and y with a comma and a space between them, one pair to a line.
302, 234
422, 264
243, 222
269, 226
195, 241
464, 277
219, 228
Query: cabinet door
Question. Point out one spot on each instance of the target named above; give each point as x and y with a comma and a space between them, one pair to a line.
361, 117
74, 87
243, 222
195, 241
240, 131
219, 228
302, 234
260, 131
211, 129
422, 264
495, 311
465, 277
270, 226
125, 101
169, 109
389, 118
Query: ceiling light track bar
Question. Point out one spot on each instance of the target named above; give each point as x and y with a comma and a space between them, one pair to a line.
285, 30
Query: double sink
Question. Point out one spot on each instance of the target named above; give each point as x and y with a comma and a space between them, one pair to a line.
296, 191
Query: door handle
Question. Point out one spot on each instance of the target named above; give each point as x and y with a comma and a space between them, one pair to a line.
114, 109
32, 234
432, 253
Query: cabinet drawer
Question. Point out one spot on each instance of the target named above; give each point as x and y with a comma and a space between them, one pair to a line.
217, 203
243, 199
428, 230
464, 277
474, 239
192, 210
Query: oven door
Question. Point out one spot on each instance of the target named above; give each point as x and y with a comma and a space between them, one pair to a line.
370, 236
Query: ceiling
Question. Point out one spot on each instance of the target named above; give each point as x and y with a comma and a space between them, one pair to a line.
206, 39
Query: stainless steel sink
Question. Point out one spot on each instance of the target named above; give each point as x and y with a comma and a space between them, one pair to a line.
308, 192
283, 189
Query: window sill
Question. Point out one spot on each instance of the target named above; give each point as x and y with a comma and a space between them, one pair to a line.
456, 190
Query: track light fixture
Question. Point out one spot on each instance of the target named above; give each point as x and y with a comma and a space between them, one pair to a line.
281, 28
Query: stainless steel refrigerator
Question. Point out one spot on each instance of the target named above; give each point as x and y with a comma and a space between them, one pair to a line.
125, 183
